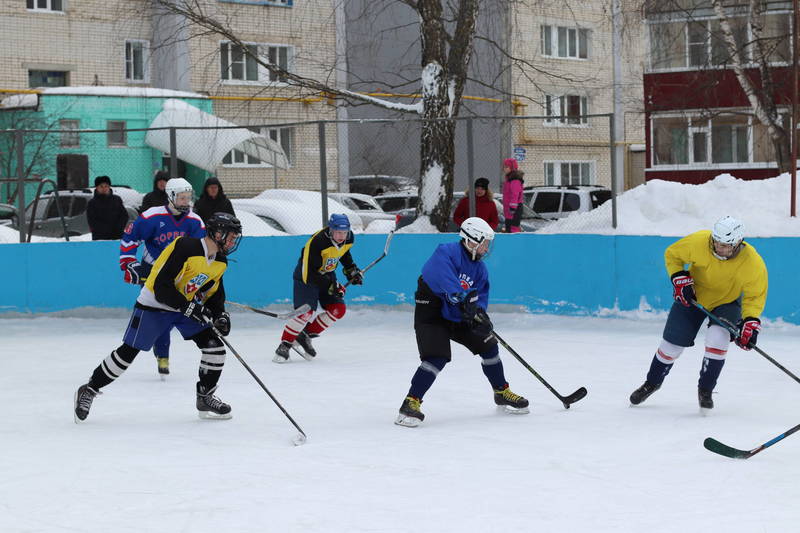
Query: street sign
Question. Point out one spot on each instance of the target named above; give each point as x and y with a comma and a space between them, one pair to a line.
519, 153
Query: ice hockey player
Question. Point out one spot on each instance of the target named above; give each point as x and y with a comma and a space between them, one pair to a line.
315, 283
184, 290
726, 276
157, 227
451, 300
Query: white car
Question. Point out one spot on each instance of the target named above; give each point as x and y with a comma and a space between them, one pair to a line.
293, 211
365, 205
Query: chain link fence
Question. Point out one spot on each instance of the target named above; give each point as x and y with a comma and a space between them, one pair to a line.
567, 161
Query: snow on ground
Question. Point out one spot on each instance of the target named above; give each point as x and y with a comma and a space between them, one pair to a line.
668, 208
143, 461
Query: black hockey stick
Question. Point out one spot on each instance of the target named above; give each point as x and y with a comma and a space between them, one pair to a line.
298, 439
566, 400
385, 251
733, 330
716, 446
283, 316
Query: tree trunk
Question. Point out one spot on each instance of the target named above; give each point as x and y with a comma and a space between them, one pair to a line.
783, 153
437, 153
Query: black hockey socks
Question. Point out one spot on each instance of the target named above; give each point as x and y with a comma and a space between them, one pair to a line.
212, 360
493, 367
425, 376
658, 371
113, 366
709, 373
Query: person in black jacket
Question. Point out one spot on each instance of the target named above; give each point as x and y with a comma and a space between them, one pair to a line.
158, 196
213, 200
106, 215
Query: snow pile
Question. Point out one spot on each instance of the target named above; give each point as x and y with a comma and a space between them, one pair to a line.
676, 209
9, 235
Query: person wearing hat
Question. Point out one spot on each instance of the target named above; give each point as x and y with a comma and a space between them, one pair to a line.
513, 195
213, 200
484, 205
158, 196
105, 213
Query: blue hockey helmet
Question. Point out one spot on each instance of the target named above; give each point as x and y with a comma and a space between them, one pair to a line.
339, 222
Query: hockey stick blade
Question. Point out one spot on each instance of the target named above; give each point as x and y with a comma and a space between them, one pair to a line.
576, 396
713, 445
281, 316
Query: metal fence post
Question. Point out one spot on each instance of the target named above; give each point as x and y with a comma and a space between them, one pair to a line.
470, 167
613, 147
323, 173
173, 150
19, 139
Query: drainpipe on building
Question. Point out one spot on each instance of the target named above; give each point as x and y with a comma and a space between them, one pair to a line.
342, 127
618, 171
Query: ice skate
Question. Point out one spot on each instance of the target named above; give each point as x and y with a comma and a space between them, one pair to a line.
209, 406
510, 402
410, 415
643, 392
705, 401
302, 345
84, 397
163, 367
282, 352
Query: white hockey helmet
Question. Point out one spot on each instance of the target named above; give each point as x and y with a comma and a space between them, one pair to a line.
179, 202
729, 232
478, 237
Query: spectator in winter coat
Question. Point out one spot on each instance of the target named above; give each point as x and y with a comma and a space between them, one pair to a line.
213, 200
513, 196
484, 205
106, 215
158, 196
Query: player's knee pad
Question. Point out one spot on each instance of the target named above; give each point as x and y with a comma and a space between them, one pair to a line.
717, 341
434, 365
336, 310
667, 352
491, 356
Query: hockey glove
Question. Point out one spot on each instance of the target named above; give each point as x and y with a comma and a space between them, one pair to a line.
195, 310
683, 287
748, 332
354, 275
133, 270
336, 289
223, 323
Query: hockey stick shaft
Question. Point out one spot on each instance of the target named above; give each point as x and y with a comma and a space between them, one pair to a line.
566, 400
283, 316
716, 446
258, 380
375, 262
734, 331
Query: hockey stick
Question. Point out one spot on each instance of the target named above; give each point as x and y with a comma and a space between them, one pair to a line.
716, 446
566, 400
299, 438
385, 251
283, 316
735, 332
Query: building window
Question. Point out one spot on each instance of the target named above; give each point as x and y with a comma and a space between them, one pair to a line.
560, 41
48, 78
117, 136
282, 136
566, 109
670, 141
729, 140
236, 65
69, 137
569, 173
46, 5
136, 58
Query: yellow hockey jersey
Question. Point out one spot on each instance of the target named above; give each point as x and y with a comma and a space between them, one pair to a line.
320, 256
717, 282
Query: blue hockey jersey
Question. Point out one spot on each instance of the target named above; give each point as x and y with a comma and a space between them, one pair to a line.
157, 228
451, 273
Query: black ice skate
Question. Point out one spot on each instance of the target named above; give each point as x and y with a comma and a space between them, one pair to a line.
282, 352
84, 397
302, 345
705, 400
410, 415
209, 406
510, 402
643, 392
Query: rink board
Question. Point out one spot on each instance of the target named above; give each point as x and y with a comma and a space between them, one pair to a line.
560, 274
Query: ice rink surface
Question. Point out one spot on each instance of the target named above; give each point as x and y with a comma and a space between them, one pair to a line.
144, 462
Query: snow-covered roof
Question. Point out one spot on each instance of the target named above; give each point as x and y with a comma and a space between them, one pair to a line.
20, 101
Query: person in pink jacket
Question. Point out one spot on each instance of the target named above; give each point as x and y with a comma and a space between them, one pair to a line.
513, 196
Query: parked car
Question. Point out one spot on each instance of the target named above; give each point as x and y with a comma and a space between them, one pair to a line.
396, 202
365, 205
73, 202
8, 215
552, 202
375, 184
294, 211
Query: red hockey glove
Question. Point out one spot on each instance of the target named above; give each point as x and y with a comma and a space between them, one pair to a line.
337, 290
683, 287
748, 332
131, 269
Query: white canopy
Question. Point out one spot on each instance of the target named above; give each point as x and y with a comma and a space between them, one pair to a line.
205, 148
